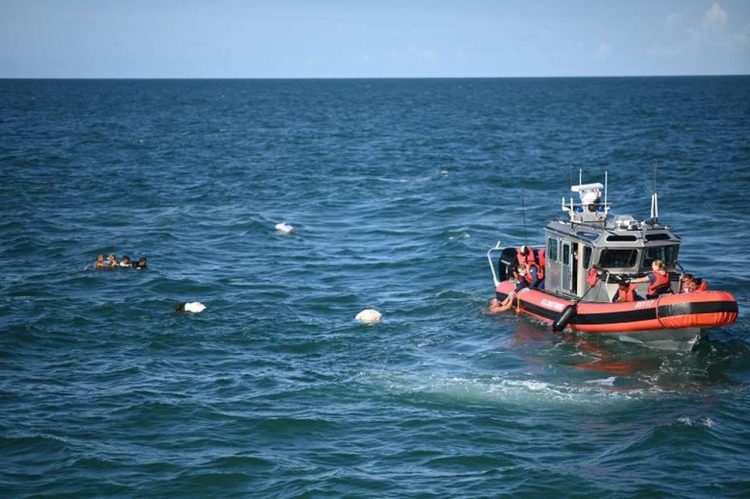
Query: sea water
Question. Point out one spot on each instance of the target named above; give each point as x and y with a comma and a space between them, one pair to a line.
396, 189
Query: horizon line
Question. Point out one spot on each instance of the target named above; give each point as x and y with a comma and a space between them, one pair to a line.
272, 78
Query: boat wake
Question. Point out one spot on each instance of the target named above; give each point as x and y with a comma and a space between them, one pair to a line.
506, 392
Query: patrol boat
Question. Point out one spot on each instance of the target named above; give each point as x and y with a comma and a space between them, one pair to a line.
585, 257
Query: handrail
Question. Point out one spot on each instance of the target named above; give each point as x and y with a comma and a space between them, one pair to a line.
492, 267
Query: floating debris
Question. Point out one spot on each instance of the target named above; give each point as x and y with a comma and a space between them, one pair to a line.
368, 316
284, 228
195, 307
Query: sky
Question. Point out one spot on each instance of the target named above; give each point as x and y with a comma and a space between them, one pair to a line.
371, 38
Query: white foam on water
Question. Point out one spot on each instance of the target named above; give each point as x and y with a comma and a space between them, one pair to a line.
53, 437
460, 235
505, 391
707, 422
602, 382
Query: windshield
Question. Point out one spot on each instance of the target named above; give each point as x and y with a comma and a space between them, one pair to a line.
666, 253
618, 258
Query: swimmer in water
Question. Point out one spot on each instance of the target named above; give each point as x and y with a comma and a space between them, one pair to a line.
125, 262
100, 263
111, 261
141, 263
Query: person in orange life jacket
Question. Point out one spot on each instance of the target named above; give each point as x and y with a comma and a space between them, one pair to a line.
701, 285
625, 292
530, 276
658, 280
525, 254
527, 258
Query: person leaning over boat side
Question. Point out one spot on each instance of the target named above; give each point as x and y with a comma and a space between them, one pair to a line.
658, 280
527, 258
533, 276
625, 292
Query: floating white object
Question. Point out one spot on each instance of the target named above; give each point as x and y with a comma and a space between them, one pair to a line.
368, 316
194, 306
284, 227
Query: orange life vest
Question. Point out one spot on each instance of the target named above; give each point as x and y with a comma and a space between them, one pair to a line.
660, 284
539, 273
541, 258
627, 294
527, 258
592, 276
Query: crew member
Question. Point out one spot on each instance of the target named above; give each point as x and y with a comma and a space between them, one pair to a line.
625, 292
525, 255
658, 280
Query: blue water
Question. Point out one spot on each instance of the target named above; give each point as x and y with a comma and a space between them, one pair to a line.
397, 188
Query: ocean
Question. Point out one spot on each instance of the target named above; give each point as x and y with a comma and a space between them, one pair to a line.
396, 189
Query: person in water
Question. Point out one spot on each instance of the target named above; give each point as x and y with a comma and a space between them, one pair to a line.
657, 279
141, 263
625, 292
100, 263
126, 262
111, 261
496, 305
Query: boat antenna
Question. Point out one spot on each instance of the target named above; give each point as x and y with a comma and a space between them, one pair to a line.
654, 199
523, 216
606, 178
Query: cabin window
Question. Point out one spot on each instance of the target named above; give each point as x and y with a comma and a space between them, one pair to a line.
666, 253
657, 237
618, 258
586, 256
621, 238
552, 252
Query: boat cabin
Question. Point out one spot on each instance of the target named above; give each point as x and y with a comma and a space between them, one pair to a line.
620, 246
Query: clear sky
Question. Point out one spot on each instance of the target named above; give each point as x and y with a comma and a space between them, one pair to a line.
371, 38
